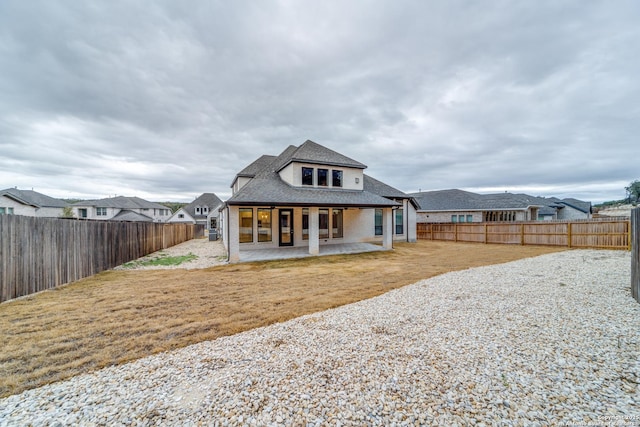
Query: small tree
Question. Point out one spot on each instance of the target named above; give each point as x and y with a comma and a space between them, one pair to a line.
633, 191
67, 212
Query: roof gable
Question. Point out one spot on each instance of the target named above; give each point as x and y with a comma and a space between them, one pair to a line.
33, 198
127, 215
185, 215
209, 200
311, 152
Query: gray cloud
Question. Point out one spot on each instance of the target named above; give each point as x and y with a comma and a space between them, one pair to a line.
167, 100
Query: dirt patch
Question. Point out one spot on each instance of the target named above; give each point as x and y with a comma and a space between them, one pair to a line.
119, 316
205, 254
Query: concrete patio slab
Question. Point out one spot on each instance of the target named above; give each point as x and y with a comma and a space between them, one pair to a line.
303, 252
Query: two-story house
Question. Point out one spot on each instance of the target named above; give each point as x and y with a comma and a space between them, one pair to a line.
203, 210
310, 196
122, 208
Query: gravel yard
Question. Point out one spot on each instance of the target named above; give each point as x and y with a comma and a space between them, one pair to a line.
550, 340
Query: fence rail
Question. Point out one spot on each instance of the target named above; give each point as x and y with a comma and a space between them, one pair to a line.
608, 234
42, 253
635, 253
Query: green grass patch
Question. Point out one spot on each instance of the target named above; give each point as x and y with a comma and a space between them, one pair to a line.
161, 259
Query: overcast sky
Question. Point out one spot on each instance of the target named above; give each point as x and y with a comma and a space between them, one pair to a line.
166, 100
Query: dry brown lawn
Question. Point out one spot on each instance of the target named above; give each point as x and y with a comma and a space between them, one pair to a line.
119, 316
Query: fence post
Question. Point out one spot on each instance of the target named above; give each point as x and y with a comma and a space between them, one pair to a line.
486, 235
455, 232
635, 253
522, 234
569, 235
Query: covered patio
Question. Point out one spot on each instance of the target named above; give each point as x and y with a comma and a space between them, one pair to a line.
271, 254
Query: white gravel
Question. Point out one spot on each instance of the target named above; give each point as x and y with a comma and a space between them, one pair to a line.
551, 340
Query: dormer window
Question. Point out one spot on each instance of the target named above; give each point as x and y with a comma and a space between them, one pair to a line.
307, 176
198, 210
323, 177
337, 178
205, 209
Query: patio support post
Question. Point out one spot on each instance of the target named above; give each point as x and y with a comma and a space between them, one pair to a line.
387, 228
233, 222
314, 231
412, 233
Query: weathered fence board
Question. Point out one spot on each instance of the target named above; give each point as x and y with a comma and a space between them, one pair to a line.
603, 234
41, 253
635, 253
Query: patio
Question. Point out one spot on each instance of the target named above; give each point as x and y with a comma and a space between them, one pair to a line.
303, 251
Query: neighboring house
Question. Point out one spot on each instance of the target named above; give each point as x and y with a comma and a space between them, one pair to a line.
204, 210
30, 203
121, 208
569, 208
463, 206
310, 196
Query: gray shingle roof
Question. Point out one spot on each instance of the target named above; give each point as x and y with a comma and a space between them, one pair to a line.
267, 188
444, 200
258, 165
127, 215
205, 199
273, 191
33, 198
509, 201
311, 152
121, 202
577, 204
449, 200
381, 189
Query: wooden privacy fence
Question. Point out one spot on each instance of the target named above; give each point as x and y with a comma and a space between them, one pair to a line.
611, 234
41, 253
635, 253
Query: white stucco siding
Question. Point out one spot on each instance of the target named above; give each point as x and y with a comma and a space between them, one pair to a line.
360, 226
153, 213
156, 214
29, 210
570, 213
233, 244
222, 226
240, 182
446, 216
476, 216
412, 234
18, 208
49, 212
289, 176
186, 218
352, 178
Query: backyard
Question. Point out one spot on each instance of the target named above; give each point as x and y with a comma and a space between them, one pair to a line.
119, 316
